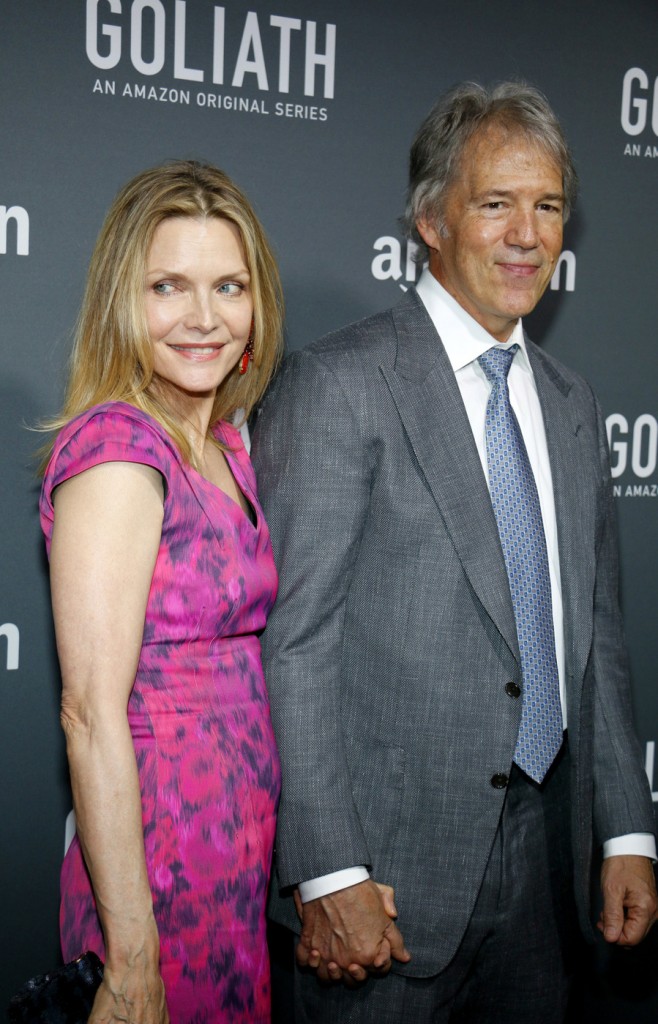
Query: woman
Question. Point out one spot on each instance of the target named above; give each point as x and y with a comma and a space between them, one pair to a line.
162, 578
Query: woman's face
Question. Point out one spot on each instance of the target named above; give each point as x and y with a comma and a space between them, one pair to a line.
198, 303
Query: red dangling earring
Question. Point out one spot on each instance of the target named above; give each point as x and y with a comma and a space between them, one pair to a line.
248, 352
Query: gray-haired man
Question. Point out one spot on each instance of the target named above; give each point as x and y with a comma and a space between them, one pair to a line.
439, 499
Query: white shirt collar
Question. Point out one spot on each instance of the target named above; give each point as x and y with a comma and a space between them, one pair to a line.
463, 338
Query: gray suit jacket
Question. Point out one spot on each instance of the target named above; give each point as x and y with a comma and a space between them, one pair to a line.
393, 636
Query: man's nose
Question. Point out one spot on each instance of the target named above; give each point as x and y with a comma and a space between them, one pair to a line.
523, 229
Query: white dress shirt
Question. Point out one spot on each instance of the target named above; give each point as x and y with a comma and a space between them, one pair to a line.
464, 340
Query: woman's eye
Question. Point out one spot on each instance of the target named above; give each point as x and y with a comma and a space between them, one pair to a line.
163, 288
231, 288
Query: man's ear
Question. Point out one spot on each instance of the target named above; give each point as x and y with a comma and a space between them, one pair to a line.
429, 232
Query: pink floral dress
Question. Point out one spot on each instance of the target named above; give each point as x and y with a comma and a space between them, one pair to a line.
200, 721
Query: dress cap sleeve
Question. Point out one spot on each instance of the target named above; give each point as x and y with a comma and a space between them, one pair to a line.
113, 432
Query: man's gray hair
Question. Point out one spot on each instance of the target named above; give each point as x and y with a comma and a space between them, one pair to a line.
437, 149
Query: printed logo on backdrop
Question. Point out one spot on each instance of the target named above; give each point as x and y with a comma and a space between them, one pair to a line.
639, 112
9, 654
634, 455
246, 63
397, 260
14, 231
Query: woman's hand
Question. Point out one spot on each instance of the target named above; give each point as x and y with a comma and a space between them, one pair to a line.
133, 994
132, 990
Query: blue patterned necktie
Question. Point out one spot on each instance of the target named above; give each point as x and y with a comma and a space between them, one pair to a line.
518, 516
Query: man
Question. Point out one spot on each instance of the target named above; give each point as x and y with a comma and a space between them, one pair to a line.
439, 499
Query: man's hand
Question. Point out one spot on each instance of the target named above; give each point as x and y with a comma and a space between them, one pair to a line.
630, 904
351, 933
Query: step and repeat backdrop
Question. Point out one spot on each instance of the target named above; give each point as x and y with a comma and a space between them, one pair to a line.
311, 106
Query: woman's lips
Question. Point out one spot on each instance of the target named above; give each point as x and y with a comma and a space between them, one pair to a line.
198, 353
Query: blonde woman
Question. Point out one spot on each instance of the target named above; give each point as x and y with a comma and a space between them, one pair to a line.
162, 578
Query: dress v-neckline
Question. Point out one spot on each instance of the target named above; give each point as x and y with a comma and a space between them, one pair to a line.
235, 471
233, 465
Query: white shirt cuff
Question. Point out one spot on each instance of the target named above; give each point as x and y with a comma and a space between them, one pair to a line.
324, 884
641, 844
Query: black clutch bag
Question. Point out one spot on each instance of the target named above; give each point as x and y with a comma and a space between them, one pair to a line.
64, 996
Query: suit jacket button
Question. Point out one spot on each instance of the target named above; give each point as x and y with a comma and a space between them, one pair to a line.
512, 690
499, 781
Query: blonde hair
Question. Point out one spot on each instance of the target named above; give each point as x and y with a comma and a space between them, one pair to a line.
112, 356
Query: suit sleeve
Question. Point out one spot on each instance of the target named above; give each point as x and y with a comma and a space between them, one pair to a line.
312, 467
622, 798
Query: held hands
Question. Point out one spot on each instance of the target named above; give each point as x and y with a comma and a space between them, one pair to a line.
630, 905
350, 934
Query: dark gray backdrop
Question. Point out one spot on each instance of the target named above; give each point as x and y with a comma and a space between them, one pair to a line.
93, 92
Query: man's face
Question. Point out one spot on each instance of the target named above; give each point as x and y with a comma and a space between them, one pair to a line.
501, 231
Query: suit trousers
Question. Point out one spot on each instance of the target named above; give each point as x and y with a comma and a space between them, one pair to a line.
514, 963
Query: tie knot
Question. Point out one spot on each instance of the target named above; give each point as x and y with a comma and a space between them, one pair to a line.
496, 363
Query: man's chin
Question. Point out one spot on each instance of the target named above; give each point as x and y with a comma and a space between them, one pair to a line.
522, 304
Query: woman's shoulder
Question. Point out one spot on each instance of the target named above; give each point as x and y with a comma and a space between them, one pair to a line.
230, 435
110, 419
236, 441
111, 432
110, 429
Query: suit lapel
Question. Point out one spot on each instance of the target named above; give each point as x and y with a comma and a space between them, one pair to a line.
423, 386
574, 507
427, 397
